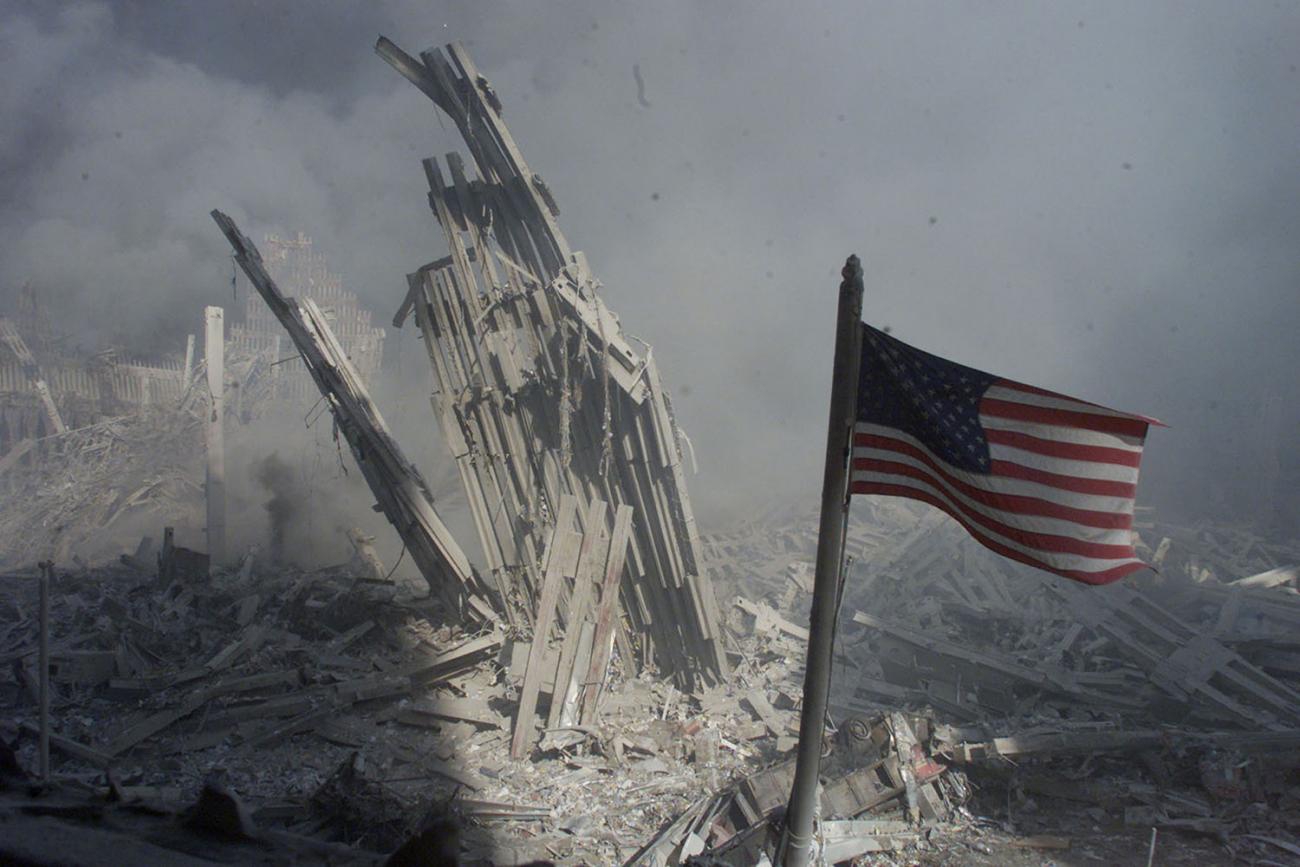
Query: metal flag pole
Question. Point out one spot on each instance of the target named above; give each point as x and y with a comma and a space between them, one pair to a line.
47, 572
796, 839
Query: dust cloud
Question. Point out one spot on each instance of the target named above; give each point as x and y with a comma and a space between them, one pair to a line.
1097, 198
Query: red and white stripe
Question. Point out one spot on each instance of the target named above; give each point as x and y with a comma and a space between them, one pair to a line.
1059, 494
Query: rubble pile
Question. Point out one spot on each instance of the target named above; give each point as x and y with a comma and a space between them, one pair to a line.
929, 619
1151, 703
342, 708
979, 637
162, 674
346, 709
72, 493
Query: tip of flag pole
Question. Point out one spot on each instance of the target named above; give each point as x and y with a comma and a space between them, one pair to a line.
852, 267
852, 270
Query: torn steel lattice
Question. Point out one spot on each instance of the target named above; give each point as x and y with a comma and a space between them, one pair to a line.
539, 393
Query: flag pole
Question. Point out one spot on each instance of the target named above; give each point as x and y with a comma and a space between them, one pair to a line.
796, 839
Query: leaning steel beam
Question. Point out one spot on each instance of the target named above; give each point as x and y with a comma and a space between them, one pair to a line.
1050, 678
539, 393
398, 487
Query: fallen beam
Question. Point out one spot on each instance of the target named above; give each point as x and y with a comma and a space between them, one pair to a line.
960, 748
1179, 658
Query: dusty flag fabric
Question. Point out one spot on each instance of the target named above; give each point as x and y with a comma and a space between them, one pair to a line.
1036, 476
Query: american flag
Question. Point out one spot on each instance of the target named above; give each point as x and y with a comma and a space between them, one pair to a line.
1036, 476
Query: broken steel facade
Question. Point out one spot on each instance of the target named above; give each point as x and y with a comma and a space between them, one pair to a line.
538, 392
47, 390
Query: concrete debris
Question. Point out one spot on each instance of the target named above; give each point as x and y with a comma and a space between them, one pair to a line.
1022, 678
76, 491
348, 715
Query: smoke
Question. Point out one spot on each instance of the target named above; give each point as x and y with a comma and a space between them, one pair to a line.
1099, 199
294, 489
287, 497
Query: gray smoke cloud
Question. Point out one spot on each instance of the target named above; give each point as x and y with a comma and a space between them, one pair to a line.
1101, 199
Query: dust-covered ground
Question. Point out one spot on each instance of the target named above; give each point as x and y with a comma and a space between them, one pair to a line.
346, 713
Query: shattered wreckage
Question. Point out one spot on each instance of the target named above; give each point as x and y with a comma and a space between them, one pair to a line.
206, 707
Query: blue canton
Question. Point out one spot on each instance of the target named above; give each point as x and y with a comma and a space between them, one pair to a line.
930, 398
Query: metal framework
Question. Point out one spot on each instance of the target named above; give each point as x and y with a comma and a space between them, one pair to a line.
538, 392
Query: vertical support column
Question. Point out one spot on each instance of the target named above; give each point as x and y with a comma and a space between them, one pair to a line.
274, 370
214, 354
167, 558
188, 374
561, 555
606, 617
47, 569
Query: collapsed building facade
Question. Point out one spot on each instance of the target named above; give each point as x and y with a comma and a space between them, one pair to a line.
539, 392
563, 434
46, 389
86, 441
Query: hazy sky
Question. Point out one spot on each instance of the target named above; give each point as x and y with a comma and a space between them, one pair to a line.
1099, 198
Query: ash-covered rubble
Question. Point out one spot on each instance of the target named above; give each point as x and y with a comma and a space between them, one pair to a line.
72, 494
1147, 705
343, 710
117, 449
346, 712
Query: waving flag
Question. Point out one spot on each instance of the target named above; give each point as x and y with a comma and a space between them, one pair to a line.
1036, 476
